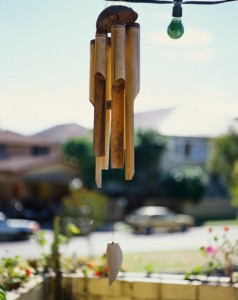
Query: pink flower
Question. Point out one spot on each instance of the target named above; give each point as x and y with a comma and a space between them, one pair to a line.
226, 228
211, 250
210, 229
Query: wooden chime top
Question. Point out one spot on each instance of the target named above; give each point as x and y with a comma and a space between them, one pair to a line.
115, 14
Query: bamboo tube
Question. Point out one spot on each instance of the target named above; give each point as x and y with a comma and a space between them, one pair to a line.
118, 94
99, 116
101, 53
109, 71
105, 159
99, 126
129, 139
131, 91
118, 41
117, 137
92, 71
133, 59
100, 94
98, 172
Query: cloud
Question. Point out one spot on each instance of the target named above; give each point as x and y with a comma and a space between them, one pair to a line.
218, 100
29, 111
195, 44
204, 113
202, 55
192, 37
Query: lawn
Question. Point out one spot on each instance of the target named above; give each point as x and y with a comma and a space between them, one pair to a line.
163, 261
221, 223
170, 261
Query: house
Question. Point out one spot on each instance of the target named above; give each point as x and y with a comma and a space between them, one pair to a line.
62, 132
191, 130
33, 171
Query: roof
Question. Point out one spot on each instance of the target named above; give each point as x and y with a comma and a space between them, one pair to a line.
49, 168
152, 119
13, 138
63, 132
21, 164
194, 120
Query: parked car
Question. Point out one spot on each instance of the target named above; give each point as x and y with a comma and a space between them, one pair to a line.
147, 218
11, 229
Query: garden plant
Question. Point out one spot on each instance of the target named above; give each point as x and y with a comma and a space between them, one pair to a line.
222, 257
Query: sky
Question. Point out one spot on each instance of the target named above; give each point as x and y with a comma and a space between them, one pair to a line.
44, 61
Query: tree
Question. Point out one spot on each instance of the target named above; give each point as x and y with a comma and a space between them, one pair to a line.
184, 184
148, 152
80, 152
224, 161
224, 155
84, 208
149, 146
234, 184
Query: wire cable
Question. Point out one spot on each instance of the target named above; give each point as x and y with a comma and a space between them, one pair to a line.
168, 1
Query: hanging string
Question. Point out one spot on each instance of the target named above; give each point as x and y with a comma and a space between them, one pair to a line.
113, 209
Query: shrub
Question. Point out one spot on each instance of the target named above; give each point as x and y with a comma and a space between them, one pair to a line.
221, 254
14, 272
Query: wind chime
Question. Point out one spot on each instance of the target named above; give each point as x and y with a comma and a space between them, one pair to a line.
114, 85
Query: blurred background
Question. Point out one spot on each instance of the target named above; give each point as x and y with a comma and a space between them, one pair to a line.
186, 116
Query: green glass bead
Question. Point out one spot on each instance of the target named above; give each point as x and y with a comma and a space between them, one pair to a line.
175, 29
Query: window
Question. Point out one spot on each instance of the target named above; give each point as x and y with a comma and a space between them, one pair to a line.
187, 149
2, 151
39, 150
191, 150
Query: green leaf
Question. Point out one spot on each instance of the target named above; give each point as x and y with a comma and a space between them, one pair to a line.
72, 229
2, 295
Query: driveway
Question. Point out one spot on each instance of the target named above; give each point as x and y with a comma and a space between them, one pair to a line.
95, 244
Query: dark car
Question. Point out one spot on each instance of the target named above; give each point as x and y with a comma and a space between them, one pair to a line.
147, 218
12, 229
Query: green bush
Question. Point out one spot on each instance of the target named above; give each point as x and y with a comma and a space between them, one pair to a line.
186, 183
14, 272
85, 209
2, 295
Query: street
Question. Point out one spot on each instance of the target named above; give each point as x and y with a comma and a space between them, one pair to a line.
96, 243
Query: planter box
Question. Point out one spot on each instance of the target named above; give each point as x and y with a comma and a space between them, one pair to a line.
38, 289
147, 289
128, 288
